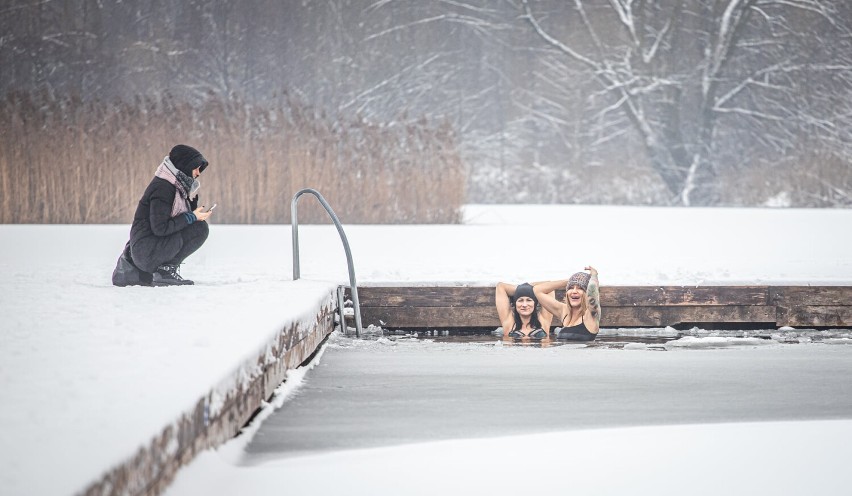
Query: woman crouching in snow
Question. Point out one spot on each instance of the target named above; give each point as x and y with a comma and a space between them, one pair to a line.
580, 312
168, 225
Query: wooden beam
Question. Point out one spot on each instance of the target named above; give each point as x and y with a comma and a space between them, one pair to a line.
815, 316
623, 306
438, 317
792, 296
426, 296
647, 316
684, 295
469, 296
459, 317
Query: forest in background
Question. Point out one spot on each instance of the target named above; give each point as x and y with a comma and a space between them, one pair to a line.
672, 102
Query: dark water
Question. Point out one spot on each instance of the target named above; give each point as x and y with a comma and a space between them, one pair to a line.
400, 388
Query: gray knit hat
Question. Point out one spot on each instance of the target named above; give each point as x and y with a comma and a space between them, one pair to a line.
579, 279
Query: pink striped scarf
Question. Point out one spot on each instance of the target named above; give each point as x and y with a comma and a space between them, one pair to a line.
183, 193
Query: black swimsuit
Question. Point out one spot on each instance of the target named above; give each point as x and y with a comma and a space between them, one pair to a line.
578, 332
535, 334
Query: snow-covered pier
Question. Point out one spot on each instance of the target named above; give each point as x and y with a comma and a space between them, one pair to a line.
220, 414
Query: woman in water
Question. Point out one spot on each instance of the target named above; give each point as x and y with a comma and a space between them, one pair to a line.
580, 311
520, 313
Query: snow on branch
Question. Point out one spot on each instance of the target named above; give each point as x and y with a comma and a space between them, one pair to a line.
480, 25
533, 20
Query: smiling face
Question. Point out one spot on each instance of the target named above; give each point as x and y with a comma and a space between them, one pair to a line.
525, 306
574, 296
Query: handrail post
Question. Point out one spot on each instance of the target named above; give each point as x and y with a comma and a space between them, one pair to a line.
294, 219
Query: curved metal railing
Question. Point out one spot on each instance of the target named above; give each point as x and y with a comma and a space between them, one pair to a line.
294, 216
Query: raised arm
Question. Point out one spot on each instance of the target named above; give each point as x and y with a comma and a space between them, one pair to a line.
545, 317
593, 296
546, 294
502, 294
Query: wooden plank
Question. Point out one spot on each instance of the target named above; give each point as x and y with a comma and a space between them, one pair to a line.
684, 295
437, 317
644, 316
813, 306
470, 296
815, 316
623, 306
718, 314
632, 317
461, 317
427, 296
793, 296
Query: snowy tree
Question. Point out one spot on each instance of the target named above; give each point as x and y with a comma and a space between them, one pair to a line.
656, 102
674, 69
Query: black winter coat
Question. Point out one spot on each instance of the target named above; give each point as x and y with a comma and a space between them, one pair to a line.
153, 225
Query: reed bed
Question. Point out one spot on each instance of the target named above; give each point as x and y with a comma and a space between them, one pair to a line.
63, 160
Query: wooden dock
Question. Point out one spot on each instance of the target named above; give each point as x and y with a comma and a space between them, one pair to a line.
459, 307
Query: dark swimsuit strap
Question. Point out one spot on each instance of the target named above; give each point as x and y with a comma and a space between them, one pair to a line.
582, 321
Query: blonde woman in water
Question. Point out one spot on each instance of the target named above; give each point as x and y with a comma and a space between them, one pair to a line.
580, 310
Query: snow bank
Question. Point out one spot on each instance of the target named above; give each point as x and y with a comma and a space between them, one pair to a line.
742, 458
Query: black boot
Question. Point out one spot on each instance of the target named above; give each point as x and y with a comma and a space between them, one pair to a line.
167, 275
126, 273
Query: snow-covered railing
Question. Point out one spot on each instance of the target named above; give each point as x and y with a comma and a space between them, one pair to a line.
294, 215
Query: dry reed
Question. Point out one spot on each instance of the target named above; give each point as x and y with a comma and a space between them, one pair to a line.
63, 160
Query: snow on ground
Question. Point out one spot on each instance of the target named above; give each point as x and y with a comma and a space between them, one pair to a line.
779, 458
90, 372
397, 415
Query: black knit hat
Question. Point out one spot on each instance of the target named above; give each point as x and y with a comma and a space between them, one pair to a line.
187, 159
525, 289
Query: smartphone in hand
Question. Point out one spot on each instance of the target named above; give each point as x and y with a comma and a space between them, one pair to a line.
211, 208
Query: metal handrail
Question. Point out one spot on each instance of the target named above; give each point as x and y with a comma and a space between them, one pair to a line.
294, 216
